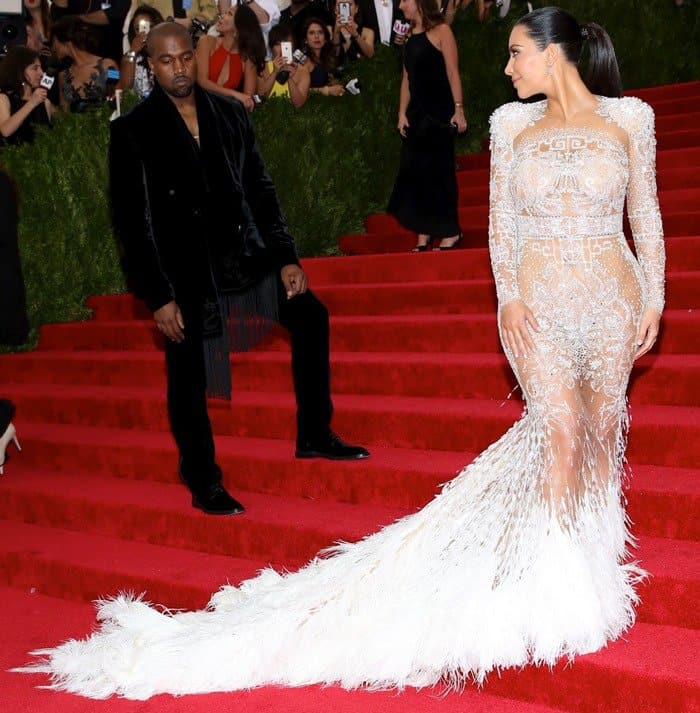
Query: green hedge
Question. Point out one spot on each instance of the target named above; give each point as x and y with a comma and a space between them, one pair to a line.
333, 161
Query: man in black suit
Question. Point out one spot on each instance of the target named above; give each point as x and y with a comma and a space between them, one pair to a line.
208, 251
380, 16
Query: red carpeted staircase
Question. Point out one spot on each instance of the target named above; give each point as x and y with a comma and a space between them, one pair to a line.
93, 505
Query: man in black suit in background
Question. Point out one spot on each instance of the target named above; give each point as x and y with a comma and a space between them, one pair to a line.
208, 251
380, 16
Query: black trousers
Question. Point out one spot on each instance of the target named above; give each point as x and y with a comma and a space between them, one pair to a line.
306, 319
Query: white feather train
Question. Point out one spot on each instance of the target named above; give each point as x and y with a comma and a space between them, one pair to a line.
425, 600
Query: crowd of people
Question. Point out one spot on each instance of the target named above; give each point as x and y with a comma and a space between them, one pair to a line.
77, 57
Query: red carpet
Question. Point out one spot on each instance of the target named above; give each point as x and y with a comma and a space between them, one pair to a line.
92, 505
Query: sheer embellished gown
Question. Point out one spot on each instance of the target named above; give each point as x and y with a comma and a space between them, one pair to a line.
524, 556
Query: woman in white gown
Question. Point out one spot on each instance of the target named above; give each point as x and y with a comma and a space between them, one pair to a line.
523, 557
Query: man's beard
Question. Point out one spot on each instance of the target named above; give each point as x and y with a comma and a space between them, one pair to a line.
180, 89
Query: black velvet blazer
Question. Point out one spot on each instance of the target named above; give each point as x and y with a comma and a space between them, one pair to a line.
193, 222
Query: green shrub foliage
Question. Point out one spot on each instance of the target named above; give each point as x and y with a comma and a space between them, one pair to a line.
333, 161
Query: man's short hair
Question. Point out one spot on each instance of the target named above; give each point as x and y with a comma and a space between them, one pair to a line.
167, 29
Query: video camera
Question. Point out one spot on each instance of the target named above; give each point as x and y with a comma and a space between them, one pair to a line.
13, 29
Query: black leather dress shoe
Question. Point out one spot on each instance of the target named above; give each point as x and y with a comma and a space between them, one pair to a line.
216, 501
331, 447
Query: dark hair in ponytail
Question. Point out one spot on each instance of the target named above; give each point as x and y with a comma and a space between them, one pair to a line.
552, 25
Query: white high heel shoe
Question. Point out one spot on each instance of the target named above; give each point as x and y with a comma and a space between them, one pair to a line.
9, 436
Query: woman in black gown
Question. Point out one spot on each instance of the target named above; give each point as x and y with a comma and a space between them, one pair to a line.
431, 113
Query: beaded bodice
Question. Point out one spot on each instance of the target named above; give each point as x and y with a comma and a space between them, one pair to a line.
568, 186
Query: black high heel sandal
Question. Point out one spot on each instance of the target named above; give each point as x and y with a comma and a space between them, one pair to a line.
454, 245
423, 248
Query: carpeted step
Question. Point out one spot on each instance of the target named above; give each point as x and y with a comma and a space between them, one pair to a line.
667, 91
681, 177
675, 122
34, 621
666, 157
402, 241
282, 531
83, 567
416, 297
388, 239
672, 159
682, 254
675, 105
473, 178
662, 435
416, 333
659, 379
678, 219
274, 529
625, 677
628, 676
663, 502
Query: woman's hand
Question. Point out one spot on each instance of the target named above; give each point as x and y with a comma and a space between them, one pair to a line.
403, 125
335, 90
459, 120
648, 331
38, 96
515, 318
139, 42
278, 64
246, 100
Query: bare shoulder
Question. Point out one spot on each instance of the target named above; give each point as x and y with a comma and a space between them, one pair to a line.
444, 32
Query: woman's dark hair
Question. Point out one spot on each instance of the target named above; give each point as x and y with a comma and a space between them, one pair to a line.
153, 15
12, 68
280, 33
81, 35
45, 16
327, 55
358, 17
552, 25
430, 14
251, 43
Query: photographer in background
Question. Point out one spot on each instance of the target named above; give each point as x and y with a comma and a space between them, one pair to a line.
38, 23
106, 17
230, 64
135, 72
267, 12
23, 101
322, 59
281, 77
349, 34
